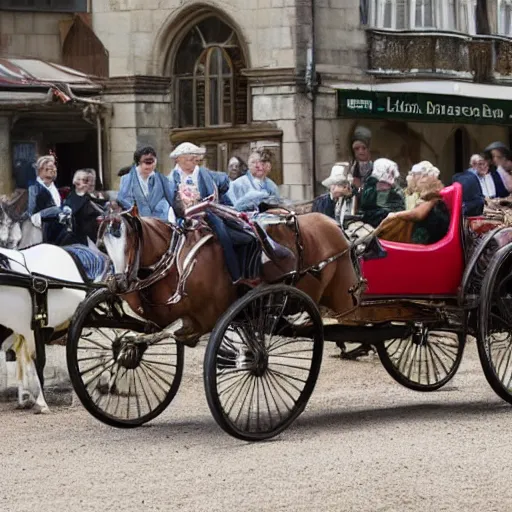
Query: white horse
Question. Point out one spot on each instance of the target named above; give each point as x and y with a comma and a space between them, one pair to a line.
16, 310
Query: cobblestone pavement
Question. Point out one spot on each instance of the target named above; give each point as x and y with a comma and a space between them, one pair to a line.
363, 444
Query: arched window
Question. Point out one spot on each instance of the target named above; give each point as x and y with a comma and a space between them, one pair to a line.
210, 90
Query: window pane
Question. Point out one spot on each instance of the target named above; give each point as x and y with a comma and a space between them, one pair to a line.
388, 14
226, 101
201, 65
402, 9
200, 103
452, 15
214, 101
226, 69
188, 53
215, 56
185, 103
214, 30
508, 20
424, 14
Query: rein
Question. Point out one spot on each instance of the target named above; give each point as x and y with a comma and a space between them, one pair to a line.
161, 268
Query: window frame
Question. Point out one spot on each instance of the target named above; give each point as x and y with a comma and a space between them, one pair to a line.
75, 6
209, 50
440, 15
501, 31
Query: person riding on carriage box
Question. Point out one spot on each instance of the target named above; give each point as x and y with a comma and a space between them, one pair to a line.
254, 187
85, 210
146, 187
44, 200
338, 201
192, 184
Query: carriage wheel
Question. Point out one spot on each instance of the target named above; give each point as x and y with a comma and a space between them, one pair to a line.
120, 378
425, 360
262, 362
495, 327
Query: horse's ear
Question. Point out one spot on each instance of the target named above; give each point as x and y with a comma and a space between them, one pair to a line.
134, 212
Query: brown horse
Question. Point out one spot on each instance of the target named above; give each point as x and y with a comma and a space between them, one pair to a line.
168, 274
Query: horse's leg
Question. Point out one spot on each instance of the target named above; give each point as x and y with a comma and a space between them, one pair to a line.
26, 368
40, 407
25, 398
189, 333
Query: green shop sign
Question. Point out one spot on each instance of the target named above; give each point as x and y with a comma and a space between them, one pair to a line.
435, 108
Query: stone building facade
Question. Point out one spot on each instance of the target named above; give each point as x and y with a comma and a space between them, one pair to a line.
234, 73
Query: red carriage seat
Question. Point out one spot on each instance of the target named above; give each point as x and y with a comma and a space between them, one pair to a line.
416, 269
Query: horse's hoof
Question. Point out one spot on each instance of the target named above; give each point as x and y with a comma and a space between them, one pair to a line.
42, 410
26, 404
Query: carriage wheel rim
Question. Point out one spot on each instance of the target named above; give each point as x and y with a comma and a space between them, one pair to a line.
260, 375
425, 360
120, 380
497, 338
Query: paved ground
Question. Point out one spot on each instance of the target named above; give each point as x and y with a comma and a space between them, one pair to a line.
363, 444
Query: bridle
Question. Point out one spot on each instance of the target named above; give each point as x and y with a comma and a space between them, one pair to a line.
129, 280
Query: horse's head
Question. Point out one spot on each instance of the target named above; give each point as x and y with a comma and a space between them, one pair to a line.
120, 233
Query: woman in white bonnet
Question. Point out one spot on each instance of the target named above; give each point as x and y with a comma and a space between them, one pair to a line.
429, 220
381, 195
412, 194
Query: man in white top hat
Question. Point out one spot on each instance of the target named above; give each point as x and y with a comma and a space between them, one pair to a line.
338, 201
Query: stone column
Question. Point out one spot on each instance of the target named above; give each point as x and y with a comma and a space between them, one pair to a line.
140, 116
6, 179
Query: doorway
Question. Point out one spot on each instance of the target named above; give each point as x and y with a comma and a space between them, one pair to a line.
76, 155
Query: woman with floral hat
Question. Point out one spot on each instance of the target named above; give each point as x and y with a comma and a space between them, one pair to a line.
381, 194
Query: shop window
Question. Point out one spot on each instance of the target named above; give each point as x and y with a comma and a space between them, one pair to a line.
457, 15
210, 90
44, 5
505, 17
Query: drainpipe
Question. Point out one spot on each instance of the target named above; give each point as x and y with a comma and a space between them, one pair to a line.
312, 87
100, 148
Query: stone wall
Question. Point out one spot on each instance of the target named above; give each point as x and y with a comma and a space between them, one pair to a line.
340, 40
138, 34
36, 35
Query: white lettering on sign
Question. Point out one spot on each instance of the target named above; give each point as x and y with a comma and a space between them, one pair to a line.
402, 107
440, 109
354, 104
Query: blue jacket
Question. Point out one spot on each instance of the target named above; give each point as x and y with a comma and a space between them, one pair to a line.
245, 193
472, 197
207, 182
39, 198
161, 195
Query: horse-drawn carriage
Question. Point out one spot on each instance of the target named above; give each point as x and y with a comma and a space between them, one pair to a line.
416, 304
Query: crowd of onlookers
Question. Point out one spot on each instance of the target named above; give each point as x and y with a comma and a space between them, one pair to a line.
372, 192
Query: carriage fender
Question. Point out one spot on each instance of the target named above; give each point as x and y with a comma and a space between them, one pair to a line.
503, 236
487, 286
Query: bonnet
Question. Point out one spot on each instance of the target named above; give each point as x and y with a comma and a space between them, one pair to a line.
385, 170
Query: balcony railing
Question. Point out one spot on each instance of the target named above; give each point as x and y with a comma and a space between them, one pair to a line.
443, 54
